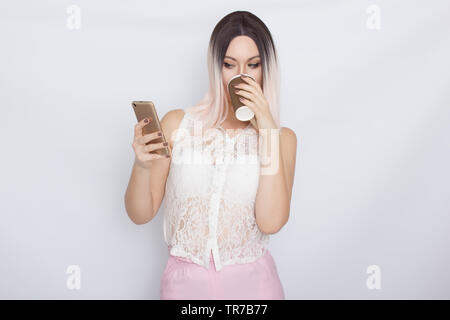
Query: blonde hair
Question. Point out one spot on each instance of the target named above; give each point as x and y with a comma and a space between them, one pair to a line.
211, 110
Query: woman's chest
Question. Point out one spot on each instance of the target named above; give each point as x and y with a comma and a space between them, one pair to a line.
228, 168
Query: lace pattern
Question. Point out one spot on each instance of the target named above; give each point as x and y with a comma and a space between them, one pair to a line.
209, 196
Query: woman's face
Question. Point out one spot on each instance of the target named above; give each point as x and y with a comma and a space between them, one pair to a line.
242, 56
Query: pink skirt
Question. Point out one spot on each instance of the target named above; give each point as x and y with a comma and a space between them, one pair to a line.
183, 279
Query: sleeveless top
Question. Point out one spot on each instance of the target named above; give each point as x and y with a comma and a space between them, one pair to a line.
210, 195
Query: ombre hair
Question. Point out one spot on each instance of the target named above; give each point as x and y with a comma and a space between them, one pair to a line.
211, 110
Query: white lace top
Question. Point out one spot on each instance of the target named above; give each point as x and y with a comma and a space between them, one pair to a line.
210, 194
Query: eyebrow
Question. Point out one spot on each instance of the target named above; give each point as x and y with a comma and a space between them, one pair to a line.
236, 60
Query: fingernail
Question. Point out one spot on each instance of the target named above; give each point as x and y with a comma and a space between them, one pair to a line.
160, 134
165, 144
167, 155
146, 120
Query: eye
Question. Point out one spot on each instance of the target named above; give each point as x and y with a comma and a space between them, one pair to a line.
253, 66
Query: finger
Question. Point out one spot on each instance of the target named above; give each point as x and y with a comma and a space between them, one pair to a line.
246, 87
248, 95
149, 137
252, 83
152, 156
249, 104
138, 127
154, 146
257, 99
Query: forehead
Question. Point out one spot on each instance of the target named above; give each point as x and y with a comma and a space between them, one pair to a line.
242, 47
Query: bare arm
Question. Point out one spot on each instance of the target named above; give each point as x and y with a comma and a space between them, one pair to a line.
146, 187
273, 198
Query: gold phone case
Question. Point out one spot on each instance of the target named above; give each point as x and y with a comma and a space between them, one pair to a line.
144, 109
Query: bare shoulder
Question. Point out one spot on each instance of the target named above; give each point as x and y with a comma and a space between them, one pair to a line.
170, 122
172, 117
288, 135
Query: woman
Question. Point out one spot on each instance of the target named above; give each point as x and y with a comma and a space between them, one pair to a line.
220, 205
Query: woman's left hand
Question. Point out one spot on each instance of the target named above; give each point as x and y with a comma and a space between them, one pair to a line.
253, 97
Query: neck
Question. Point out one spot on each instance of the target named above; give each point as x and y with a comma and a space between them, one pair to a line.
231, 118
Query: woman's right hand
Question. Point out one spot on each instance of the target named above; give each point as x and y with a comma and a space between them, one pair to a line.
143, 157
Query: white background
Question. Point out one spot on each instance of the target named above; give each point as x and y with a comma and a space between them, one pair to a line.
370, 108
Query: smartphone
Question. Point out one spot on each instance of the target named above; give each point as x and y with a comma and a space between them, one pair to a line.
144, 109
